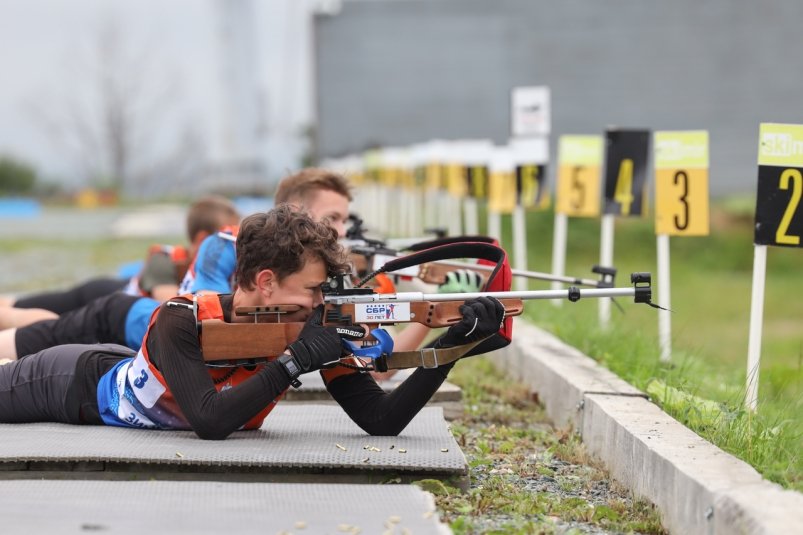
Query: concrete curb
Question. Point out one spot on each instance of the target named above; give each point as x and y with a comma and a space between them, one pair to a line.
699, 488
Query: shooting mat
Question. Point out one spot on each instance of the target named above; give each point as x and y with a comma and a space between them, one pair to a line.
137, 507
296, 443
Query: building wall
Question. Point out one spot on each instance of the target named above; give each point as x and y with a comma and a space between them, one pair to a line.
397, 72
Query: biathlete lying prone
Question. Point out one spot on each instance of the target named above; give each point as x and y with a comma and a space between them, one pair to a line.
283, 257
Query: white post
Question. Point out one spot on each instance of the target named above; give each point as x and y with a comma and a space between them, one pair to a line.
520, 245
606, 259
495, 225
420, 216
470, 216
559, 250
455, 223
664, 293
756, 321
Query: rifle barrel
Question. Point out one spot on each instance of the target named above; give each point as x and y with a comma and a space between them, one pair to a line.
523, 273
412, 297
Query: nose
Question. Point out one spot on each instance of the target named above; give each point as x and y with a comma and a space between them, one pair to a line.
317, 297
340, 227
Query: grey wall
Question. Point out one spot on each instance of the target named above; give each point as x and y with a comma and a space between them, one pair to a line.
406, 71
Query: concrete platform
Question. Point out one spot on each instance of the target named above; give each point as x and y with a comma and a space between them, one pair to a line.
172, 507
559, 373
301, 443
698, 488
449, 396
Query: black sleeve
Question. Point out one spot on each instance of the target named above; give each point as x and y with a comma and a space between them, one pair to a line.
74, 298
101, 321
174, 348
381, 413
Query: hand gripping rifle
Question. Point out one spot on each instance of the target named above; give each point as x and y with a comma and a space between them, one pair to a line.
237, 344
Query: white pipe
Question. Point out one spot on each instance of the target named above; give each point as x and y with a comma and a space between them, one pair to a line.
606, 259
756, 322
559, 250
664, 297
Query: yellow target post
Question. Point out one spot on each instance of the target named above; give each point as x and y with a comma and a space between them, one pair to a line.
501, 189
681, 207
530, 160
577, 191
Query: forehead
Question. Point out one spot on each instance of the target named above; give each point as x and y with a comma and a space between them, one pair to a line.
327, 201
312, 272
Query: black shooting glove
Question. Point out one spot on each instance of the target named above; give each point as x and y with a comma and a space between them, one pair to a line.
316, 346
482, 317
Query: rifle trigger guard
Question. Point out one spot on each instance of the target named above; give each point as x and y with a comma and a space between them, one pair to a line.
383, 347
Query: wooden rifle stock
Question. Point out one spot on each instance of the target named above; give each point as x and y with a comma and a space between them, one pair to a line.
435, 272
238, 341
430, 272
221, 341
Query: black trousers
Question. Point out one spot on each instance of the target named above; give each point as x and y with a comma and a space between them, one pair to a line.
101, 321
35, 388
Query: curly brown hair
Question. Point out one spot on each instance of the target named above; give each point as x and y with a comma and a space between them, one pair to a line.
300, 187
283, 240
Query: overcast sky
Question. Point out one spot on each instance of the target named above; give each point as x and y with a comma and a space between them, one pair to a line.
45, 45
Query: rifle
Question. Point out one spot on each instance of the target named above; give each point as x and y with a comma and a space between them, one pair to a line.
266, 338
369, 254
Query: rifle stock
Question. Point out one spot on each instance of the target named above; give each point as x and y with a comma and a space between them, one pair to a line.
221, 341
237, 341
435, 272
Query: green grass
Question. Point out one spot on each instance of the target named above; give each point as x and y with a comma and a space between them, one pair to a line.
510, 447
711, 281
31, 265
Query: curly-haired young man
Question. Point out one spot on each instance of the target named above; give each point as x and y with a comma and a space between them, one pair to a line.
283, 257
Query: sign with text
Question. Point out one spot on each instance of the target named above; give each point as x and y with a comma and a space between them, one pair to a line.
477, 181
579, 172
530, 157
780, 184
681, 183
530, 181
455, 180
530, 113
626, 156
502, 192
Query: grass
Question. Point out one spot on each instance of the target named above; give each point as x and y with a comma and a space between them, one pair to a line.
711, 288
30, 265
711, 285
527, 477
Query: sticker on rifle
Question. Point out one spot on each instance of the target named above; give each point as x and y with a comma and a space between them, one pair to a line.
381, 312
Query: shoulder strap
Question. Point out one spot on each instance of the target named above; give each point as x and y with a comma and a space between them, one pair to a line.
429, 357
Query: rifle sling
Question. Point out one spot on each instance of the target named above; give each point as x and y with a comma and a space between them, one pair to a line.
428, 357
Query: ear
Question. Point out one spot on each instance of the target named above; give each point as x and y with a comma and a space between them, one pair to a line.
265, 282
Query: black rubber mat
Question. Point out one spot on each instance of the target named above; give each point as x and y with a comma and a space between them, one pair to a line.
294, 440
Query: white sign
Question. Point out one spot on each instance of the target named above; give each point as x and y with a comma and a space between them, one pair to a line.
530, 111
381, 312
